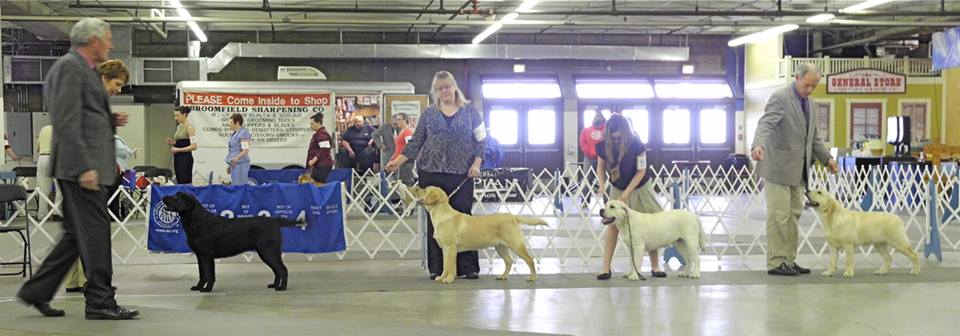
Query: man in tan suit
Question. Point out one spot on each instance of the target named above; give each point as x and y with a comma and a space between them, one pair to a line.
785, 145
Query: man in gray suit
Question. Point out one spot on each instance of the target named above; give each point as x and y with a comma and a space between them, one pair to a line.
384, 138
83, 164
785, 145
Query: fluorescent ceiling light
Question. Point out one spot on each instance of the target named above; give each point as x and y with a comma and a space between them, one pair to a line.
527, 5
192, 24
864, 5
820, 18
519, 68
687, 69
487, 32
763, 35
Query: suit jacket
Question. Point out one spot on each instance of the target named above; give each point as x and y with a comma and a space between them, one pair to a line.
83, 126
383, 136
789, 142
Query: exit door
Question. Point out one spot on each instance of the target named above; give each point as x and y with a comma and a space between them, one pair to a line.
530, 133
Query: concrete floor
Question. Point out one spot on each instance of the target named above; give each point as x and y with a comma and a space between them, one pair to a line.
394, 297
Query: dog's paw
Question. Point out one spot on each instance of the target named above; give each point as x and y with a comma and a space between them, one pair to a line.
532, 278
206, 289
915, 271
196, 288
827, 273
272, 286
447, 280
280, 288
633, 276
880, 272
501, 277
694, 276
848, 274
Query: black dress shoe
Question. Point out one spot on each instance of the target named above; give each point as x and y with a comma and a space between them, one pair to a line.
604, 276
472, 276
73, 289
660, 274
433, 276
800, 270
114, 313
783, 269
43, 307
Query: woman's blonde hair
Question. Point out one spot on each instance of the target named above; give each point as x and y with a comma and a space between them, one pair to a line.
114, 69
446, 75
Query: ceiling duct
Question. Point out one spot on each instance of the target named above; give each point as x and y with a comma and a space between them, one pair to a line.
445, 51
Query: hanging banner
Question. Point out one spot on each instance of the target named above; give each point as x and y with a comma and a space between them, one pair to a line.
320, 209
946, 49
274, 120
866, 81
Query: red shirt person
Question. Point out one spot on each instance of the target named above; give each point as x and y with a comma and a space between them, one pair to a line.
319, 160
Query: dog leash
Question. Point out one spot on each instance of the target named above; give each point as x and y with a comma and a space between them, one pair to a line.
633, 260
458, 186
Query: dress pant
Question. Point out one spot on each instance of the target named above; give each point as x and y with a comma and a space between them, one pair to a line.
784, 207
86, 233
468, 261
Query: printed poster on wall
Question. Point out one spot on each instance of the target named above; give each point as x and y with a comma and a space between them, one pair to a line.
274, 120
412, 105
946, 49
866, 81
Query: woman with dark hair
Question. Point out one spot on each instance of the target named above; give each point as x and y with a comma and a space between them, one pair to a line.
238, 155
448, 145
182, 146
622, 160
319, 161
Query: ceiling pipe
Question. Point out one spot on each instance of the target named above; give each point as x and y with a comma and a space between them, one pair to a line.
474, 23
764, 13
863, 41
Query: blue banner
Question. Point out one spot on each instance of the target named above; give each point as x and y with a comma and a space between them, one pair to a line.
264, 176
946, 49
321, 207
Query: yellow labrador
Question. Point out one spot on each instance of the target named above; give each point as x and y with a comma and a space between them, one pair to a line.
456, 232
847, 228
644, 232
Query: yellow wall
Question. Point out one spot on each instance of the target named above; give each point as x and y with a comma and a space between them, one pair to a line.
762, 60
951, 90
841, 129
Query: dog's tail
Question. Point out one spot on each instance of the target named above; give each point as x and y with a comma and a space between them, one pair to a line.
530, 220
703, 236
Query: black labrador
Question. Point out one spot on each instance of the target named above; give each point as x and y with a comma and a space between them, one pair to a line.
211, 236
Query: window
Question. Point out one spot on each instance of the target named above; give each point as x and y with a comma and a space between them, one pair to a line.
918, 120
590, 112
676, 126
824, 133
521, 89
504, 125
541, 132
713, 126
614, 89
865, 121
640, 121
693, 89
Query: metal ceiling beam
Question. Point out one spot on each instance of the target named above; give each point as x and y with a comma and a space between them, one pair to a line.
515, 23
43, 30
611, 12
876, 37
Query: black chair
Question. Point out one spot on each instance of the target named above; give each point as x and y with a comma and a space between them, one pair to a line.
24, 173
10, 193
154, 172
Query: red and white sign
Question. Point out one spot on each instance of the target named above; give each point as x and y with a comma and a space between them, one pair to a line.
274, 120
866, 81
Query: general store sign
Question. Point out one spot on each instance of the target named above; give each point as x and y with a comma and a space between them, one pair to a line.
866, 81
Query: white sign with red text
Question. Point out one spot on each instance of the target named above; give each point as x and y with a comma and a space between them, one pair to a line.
274, 120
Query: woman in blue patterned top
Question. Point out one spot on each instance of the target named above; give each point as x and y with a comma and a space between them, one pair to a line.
448, 146
238, 156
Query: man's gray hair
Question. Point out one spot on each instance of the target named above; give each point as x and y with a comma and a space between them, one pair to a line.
803, 68
81, 32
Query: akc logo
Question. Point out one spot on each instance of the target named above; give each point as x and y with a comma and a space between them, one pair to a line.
166, 219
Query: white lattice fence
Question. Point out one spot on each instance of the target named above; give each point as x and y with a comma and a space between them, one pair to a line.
729, 201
